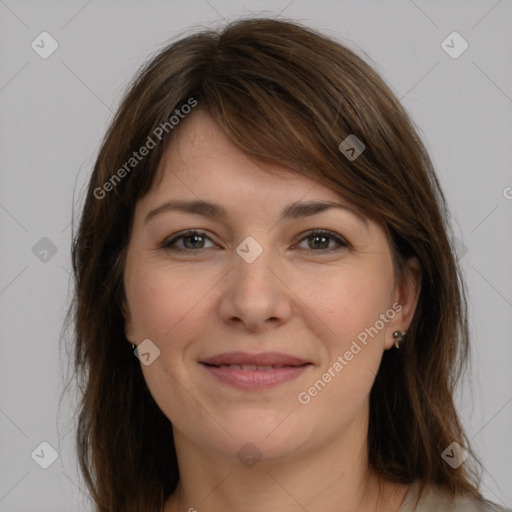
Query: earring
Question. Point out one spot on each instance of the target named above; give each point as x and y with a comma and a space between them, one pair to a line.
134, 346
398, 336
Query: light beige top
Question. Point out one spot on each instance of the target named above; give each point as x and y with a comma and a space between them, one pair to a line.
434, 500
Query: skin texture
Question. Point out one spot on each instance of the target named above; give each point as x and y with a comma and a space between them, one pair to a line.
302, 296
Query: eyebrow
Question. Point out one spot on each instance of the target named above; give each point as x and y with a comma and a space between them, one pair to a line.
209, 209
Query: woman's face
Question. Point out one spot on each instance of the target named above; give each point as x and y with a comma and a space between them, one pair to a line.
252, 283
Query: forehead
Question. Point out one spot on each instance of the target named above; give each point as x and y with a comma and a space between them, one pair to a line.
200, 160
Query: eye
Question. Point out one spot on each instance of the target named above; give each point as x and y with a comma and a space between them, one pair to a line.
321, 239
193, 239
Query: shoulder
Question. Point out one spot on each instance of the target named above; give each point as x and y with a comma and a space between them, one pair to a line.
435, 499
472, 505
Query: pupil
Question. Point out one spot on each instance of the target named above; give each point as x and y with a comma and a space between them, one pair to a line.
320, 237
193, 237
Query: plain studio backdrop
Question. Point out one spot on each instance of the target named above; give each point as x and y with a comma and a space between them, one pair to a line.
57, 98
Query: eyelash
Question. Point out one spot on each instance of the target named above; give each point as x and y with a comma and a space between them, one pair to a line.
168, 244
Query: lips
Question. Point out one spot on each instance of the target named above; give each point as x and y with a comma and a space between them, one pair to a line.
254, 372
263, 361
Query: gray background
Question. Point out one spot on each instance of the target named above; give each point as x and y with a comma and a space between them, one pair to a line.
55, 111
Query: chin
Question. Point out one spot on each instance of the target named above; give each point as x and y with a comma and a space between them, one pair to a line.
268, 435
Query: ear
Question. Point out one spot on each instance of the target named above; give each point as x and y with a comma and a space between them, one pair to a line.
405, 293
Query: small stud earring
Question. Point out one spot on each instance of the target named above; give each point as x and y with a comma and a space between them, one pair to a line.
398, 336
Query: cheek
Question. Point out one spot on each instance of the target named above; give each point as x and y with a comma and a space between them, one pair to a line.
347, 300
165, 306
161, 300
350, 303
148, 299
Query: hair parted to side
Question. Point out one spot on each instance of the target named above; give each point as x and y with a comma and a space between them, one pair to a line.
283, 94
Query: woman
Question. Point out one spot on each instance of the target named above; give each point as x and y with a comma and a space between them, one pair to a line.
268, 310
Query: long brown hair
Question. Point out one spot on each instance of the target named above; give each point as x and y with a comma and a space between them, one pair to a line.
287, 95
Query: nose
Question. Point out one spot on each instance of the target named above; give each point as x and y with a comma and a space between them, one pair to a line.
257, 295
